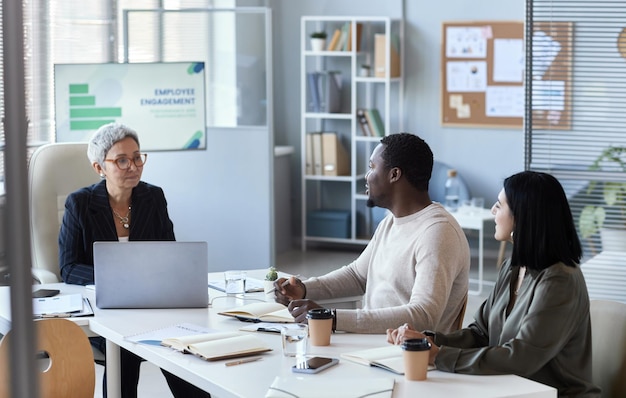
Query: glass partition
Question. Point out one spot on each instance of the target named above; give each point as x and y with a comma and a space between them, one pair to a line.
233, 44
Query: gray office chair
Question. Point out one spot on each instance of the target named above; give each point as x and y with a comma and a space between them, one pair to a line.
55, 170
608, 338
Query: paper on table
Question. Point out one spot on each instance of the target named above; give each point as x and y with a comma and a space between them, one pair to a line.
288, 387
154, 337
60, 304
252, 285
269, 327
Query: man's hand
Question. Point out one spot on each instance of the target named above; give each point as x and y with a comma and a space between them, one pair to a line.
299, 309
289, 289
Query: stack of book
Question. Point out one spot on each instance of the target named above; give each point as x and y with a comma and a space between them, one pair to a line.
325, 155
342, 38
371, 123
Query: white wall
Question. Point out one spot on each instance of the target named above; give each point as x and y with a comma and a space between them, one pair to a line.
484, 156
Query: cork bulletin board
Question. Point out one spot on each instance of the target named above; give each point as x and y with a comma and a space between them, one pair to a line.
552, 75
482, 69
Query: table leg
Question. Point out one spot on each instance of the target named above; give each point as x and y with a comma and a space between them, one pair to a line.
113, 370
480, 263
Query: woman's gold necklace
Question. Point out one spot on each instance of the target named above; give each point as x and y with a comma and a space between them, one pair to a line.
123, 220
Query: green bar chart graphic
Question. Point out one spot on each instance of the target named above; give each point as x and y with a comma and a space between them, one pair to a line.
84, 114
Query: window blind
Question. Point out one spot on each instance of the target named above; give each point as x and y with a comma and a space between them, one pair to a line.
72, 32
575, 124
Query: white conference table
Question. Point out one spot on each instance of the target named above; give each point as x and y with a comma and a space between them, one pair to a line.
475, 219
253, 379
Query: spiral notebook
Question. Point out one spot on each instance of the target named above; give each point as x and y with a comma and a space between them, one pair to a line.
151, 274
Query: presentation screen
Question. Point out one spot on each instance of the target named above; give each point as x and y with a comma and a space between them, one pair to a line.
163, 102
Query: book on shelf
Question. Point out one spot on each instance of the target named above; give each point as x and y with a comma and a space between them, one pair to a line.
335, 159
261, 312
324, 91
365, 128
312, 79
308, 165
375, 122
343, 39
216, 346
359, 30
331, 92
380, 52
388, 357
334, 40
317, 153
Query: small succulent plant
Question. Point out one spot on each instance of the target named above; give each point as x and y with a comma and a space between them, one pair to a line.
272, 274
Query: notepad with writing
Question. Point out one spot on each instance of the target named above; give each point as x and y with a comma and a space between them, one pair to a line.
261, 312
215, 346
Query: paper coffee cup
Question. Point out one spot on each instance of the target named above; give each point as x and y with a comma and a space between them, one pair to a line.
415, 353
320, 322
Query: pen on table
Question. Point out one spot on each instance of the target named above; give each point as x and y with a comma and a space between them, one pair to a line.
239, 362
56, 315
285, 283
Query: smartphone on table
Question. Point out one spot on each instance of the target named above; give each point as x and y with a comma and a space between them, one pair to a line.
314, 364
41, 293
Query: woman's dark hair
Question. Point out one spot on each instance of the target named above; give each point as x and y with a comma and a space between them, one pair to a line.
544, 232
412, 155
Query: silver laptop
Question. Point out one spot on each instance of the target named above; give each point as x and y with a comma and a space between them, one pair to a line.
151, 274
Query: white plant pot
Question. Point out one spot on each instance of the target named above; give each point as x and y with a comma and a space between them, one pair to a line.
613, 239
268, 289
318, 44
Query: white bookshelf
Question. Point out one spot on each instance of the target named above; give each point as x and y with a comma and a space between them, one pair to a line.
384, 93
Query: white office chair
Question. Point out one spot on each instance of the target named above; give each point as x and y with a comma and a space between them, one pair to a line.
608, 331
55, 171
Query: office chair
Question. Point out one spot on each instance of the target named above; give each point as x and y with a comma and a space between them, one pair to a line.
64, 360
55, 170
608, 336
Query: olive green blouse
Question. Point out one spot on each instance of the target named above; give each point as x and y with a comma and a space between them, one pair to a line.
546, 336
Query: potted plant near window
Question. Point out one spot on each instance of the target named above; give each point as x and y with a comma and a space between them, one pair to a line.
318, 41
593, 217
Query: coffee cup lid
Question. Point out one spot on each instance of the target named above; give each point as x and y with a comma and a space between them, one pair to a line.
319, 313
416, 345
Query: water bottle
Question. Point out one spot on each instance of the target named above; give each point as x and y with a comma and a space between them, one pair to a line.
452, 191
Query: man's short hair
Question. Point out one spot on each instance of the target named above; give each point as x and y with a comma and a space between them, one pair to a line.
411, 155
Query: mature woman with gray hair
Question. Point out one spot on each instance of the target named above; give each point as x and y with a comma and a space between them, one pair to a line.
122, 208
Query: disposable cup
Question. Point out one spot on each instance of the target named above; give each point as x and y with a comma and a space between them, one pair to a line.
415, 353
320, 322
